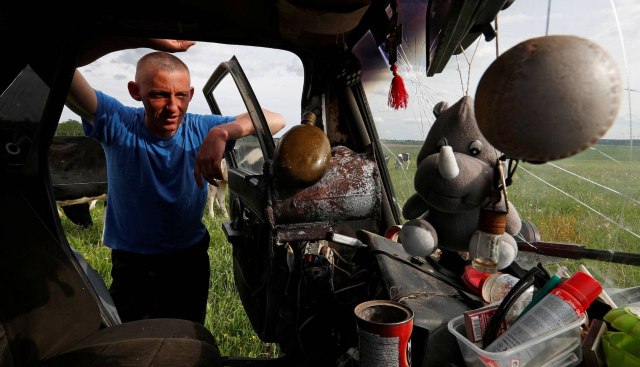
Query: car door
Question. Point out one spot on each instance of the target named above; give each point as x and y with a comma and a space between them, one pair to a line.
249, 230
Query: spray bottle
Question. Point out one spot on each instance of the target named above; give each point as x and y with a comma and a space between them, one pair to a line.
563, 305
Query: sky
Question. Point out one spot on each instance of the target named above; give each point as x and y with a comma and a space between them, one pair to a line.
276, 75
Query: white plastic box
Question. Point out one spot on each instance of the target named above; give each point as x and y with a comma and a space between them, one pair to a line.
559, 348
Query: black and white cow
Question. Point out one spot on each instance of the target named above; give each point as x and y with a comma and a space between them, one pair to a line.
217, 194
403, 160
78, 170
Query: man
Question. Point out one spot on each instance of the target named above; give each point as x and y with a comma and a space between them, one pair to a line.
157, 157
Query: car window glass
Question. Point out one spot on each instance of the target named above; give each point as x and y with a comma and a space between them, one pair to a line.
589, 199
248, 154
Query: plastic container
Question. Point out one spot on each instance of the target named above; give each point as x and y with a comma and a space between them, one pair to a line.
560, 348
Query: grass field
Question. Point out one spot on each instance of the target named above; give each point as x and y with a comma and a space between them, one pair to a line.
587, 199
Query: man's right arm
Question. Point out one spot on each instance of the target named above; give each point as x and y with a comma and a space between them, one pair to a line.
82, 98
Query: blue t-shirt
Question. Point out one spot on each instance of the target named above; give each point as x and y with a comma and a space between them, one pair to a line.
153, 202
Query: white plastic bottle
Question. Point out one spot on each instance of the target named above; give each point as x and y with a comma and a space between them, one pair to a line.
563, 305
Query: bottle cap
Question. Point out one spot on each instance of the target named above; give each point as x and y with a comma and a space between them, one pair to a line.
583, 287
492, 221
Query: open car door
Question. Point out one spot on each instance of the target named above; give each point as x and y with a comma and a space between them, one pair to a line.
249, 230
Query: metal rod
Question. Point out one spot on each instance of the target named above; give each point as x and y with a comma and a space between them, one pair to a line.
575, 251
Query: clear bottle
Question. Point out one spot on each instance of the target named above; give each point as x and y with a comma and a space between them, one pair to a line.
496, 287
563, 305
485, 242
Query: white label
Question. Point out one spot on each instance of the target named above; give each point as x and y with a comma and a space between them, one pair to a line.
378, 351
550, 313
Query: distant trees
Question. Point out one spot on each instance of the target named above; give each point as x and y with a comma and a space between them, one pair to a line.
69, 128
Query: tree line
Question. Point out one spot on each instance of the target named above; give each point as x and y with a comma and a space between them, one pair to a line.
70, 128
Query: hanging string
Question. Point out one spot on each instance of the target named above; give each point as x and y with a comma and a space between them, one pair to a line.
626, 71
398, 96
495, 23
546, 33
470, 62
460, 74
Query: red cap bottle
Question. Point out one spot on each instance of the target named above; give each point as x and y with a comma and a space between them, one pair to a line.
563, 305
583, 287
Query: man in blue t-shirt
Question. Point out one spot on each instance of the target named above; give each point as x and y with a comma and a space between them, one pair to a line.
157, 156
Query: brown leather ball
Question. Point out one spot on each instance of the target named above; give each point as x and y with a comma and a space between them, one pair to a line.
302, 156
548, 98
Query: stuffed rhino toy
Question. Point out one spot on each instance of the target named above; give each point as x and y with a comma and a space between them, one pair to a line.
455, 176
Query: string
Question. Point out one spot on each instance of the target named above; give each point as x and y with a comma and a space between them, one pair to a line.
581, 203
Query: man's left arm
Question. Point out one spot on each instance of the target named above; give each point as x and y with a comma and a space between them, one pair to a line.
210, 155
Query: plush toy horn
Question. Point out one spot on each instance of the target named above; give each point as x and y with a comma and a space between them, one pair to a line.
447, 165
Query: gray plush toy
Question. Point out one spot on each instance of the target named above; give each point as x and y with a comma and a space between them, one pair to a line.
454, 180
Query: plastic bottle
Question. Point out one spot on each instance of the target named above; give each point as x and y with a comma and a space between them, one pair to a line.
549, 285
563, 305
484, 242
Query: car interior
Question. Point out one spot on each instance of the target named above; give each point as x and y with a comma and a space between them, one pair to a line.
54, 311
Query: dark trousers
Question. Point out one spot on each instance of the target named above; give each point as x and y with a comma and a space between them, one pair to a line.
174, 285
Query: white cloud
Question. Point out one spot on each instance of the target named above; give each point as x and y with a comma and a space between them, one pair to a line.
277, 75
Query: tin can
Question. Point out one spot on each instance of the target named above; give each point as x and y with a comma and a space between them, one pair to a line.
384, 333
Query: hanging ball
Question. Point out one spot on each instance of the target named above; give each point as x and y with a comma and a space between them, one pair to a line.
418, 237
548, 98
303, 155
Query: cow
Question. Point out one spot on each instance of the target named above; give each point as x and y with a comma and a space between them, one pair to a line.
78, 170
79, 211
403, 160
216, 195
251, 159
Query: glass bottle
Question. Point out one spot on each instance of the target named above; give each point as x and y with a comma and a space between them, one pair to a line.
484, 243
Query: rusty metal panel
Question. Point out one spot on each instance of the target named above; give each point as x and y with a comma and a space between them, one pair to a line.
351, 189
290, 233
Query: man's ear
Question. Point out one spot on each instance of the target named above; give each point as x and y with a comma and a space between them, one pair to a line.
134, 91
191, 92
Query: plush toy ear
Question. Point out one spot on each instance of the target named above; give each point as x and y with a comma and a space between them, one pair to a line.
439, 108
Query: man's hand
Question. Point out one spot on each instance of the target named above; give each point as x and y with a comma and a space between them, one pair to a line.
168, 45
210, 156
103, 46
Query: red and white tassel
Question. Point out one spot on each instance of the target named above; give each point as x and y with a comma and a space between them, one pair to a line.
398, 97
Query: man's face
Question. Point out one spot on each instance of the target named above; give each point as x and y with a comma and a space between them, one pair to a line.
165, 96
